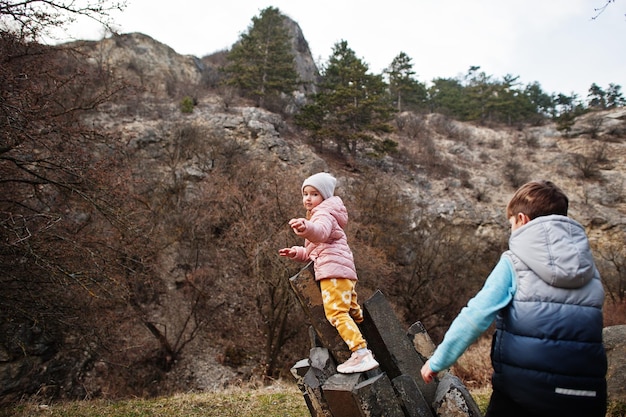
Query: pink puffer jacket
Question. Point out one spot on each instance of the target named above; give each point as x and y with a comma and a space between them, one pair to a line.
326, 243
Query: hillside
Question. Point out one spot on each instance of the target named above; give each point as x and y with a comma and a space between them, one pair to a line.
209, 193
477, 158
460, 172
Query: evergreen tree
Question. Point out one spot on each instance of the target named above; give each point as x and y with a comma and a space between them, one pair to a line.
447, 96
261, 64
596, 97
351, 103
614, 96
541, 102
567, 109
479, 91
480, 97
406, 92
509, 104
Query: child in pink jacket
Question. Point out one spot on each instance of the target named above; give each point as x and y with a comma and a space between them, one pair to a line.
326, 245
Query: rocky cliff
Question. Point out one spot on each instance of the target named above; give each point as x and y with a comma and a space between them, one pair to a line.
477, 164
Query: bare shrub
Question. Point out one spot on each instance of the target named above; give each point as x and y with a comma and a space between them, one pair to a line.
442, 267
412, 125
615, 133
466, 178
229, 94
450, 128
595, 123
212, 74
378, 216
423, 151
531, 139
591, 160
259, 207
482, 195
515, 173
484, 156
611, 261
434, 161
495, 144
439, 122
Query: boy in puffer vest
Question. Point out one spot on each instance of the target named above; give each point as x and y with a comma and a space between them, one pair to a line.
326, 245
546, 297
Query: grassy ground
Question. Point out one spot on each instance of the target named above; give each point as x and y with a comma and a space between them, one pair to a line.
254, 403
281, 401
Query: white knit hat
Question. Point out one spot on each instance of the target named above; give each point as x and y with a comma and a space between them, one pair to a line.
322, 182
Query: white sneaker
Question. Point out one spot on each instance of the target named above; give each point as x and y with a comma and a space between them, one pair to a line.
358, 363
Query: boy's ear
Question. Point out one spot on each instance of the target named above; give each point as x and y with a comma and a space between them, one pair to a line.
522, 218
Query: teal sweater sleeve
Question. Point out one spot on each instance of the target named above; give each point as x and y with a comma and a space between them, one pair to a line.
477, 316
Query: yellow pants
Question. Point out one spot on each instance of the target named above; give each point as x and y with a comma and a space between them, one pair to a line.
342, 310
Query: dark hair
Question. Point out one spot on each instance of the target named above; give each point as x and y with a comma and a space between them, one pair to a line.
538, 198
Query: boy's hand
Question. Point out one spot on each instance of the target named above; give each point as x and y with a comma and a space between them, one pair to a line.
288, 252
298, 225
428, 374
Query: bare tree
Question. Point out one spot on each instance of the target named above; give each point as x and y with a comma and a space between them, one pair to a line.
29, 20
445, 266
612, 264
591, 160
57, 210
261, 208
599, 10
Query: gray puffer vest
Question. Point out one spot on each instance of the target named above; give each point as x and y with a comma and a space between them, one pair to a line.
547, 352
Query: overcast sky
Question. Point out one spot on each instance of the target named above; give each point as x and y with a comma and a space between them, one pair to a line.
553, 42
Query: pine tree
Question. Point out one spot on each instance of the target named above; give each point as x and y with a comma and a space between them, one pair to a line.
351, 103
541, 101
261, 64
406, 92
447, 96
596, 97
614, 96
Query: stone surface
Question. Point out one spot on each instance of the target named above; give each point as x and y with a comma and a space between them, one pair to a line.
322, 363
395, 389
615, 345
422, 342
311, 386
452, 399
377, 397
390, 343
310, 375
308, 293
413, 402
300, 369
338, 393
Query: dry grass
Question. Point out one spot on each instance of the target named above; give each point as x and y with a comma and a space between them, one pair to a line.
474, 366
280, 400
481, 397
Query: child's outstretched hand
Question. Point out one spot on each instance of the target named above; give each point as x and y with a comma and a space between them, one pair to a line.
288, 252
427, 374
298, 225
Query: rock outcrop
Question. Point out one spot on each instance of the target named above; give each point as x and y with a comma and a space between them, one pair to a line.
615, 345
